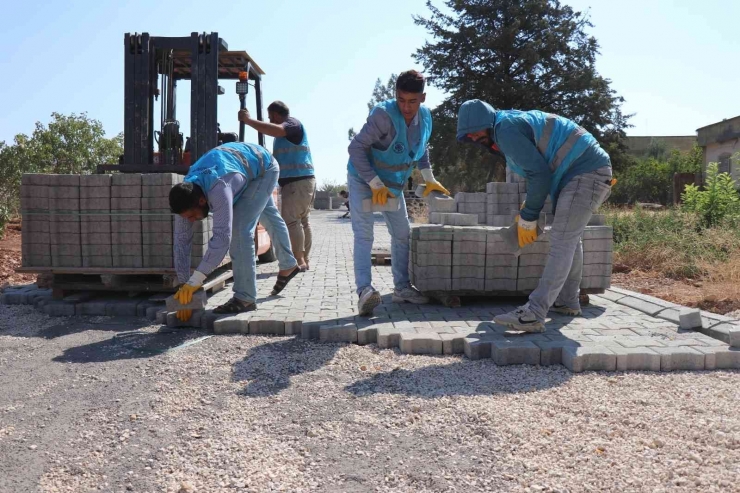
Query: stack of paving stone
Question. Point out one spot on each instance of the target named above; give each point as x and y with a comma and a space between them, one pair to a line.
473, 203
474, 260
322, 201
64, 220
104, 221
157, 223
503, 200
35, 241
95, 221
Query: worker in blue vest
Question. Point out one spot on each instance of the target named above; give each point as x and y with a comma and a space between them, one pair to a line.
382, 156
557, 158
235, 182
297, 181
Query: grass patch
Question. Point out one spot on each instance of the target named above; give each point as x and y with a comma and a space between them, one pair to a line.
675, 244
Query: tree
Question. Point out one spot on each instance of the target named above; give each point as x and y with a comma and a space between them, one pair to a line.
380, 93
70, 144
526, 54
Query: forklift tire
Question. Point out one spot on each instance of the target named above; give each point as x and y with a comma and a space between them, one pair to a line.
268, 256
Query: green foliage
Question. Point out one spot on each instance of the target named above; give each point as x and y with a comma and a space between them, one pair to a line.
717, 201
332, 186
380, 93
70, 144
530, 54
4, 217
651, 179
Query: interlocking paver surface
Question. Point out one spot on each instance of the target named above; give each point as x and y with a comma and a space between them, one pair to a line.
324, 296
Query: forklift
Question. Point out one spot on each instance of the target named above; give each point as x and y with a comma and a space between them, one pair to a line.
153, 67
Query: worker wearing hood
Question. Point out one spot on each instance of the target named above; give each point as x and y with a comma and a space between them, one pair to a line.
557, 158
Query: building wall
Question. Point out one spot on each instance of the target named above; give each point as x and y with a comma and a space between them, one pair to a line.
720, 142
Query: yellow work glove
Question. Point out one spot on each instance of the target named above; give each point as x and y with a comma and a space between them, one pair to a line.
380, 195
380, 191
527, 231
184, 295
435, 186
184, 315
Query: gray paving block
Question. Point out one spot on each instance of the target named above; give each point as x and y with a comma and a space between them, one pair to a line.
501, 284
389, 336
125, 203
155, 203
338, 333
95, 181
636, 358
157, 261
441, 204
646, 307
453, 343
599, 258
160, 179
551, 351
105, 261
454, 219
37, 179
689, 318
62, 193
391, 205
367, 335
199, 302
680, 358
725, 332
126, 179
591, 358
310, 331
131, 262
90, 308
266, 325
720, 357
193, 321
420, 343
478, 346
98, 204
59, 309
231, 324
598, 233
121, 308
602, 245
61, 180
93, 250
502, 188
152, 311
515, 353
94, 193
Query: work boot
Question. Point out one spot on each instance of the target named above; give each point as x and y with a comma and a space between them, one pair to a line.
521, 319
409, 295
565, 310
369, 299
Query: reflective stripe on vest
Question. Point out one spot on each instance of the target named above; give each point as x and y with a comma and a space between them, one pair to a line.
562, 152
286, 150
242, 159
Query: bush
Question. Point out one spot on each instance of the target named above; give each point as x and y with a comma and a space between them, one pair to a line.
4, 218
651, 179
718, 201
332, 186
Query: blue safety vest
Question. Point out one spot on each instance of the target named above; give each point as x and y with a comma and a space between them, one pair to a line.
395, 164
559, 140
295, 160
250, 160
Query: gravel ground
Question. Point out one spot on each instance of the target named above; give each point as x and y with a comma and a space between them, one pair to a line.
82, 411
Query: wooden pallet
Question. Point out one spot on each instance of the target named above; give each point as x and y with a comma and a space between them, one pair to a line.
149, 281
380, 256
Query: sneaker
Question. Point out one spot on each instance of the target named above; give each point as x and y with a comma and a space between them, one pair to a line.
565, 310
409, 295
369, 299
521, 319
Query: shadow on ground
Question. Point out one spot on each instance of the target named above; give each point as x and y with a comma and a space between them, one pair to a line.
269, 367
131, 345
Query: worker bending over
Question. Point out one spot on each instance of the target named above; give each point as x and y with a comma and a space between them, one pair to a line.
381, 158
559, 158
297, 182
235, 181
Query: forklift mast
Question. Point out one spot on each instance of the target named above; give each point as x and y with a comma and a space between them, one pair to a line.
153, 66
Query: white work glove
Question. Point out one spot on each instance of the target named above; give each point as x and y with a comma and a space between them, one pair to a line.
432, 185
196, 279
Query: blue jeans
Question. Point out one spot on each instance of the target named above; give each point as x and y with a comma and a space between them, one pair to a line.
561, 280
362, 227
256, 204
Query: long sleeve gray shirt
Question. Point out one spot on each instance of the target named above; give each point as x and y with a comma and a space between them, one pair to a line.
221, 201
379, 132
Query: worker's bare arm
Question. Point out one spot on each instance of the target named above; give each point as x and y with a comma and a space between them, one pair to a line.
263, 127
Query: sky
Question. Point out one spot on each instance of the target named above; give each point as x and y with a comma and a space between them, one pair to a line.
675, 62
